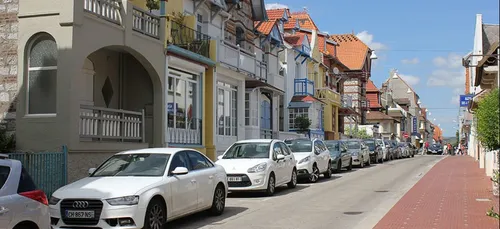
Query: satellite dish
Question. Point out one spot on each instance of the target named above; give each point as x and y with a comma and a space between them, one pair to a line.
336, 70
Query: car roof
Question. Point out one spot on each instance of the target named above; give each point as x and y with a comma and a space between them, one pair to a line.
155, 150
257, 141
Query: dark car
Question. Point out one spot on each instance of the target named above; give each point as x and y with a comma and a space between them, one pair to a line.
435, 149
340, 157
376, 154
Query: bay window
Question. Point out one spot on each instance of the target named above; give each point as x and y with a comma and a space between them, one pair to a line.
183, 102
227, 114
294, 113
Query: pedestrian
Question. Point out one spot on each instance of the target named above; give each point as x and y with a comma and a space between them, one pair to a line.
445, 149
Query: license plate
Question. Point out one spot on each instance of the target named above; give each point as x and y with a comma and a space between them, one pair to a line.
80, 214
234, 179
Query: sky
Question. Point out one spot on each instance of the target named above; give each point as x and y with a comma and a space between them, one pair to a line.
424, 40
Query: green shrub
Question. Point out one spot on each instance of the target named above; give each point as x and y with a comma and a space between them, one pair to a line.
7, 142
487, 115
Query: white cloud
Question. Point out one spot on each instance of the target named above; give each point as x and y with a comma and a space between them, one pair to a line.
368, 40
453, 60
455, 98
271, 6
454, 78
410, 61
411, 80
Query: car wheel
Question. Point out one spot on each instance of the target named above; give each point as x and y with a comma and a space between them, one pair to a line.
328, 172
362, 164
219, 201
271, 185
314, 176
293, 181
339, 166
369, 161
156, 215
349, 168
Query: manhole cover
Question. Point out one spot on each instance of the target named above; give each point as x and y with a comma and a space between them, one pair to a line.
381, 191
353, 213
483, 200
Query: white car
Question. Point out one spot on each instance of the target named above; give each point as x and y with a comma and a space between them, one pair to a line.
141, 189
22, 205
259, 165
359, 152
313, 158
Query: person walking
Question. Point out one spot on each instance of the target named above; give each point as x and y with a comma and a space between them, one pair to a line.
445, 149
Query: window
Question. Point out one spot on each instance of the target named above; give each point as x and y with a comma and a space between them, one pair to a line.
276, 151
199, 26
297, 71
42, 75
296, 112
240, 37
299, 145
179, 160
227, 115
198, 161
26, 184
248, 150
143, 164
286, 151
4, 174
183, 101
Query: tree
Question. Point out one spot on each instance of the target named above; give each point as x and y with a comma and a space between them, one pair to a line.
303, 124
457, 135
359, 133
487, 121
153, 5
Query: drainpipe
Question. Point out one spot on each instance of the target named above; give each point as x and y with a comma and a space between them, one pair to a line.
223, 27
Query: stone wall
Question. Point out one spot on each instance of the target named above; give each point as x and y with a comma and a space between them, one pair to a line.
8, 63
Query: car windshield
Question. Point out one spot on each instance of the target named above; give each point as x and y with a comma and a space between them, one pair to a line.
300, 145
332, 145
370, 144
248, 150
143, 164
353, 145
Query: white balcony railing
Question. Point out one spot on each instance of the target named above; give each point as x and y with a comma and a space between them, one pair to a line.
104, 124
242, 60
146, 23
189, 134
106, 9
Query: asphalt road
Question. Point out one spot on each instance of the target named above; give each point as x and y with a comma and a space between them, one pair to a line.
355, 199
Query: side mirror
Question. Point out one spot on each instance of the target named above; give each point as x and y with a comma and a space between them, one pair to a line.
91, 170
220, 157
280, 157
180, 171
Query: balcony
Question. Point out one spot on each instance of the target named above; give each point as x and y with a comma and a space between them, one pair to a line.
119, 11
185, 132
303, 86
242, 61
104, 124
346, 101
328, 95
189, 39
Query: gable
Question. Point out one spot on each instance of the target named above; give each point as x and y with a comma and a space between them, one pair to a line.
306, 45
275, 33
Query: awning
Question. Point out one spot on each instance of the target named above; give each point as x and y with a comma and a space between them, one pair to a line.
299, 105
262, 85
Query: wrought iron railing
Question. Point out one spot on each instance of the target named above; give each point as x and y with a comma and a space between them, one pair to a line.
104, 124
303, 86
146, 23
106, 9
183, 133
190, 39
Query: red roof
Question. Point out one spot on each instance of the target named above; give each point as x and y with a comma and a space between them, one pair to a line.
370, 87
377, 115
275, 14
295, 39
265, 27
372, 98
351, 51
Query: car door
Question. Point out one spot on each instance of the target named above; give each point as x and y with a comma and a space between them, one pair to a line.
326, 155
321, 156
184, 188
280, 169
6, 189
289, 160
205, 174
346, 157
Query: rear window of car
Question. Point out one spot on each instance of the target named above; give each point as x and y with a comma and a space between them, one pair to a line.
26, 184
4, 174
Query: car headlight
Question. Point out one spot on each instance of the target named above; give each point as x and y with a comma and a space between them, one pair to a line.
258, 168
305, 159
53, 200
125, 200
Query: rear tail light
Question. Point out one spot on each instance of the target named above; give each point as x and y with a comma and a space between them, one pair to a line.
36, 195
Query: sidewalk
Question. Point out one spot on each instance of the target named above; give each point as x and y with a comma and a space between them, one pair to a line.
446, 197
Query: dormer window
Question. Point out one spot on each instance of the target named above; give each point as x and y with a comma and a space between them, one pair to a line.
240, 36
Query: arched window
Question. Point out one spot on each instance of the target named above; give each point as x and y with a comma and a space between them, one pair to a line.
240, 37
42, 75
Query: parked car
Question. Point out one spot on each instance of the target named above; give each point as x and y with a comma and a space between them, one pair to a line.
435, 148
396, 149
405, 151
359, 152
340, 157
141, 189
376, 156
413, 149
383, 148
392, 150
313, 158
259, 165
22, 204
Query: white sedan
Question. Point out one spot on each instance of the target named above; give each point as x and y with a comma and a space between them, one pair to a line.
141, 189
313, 158
259, 165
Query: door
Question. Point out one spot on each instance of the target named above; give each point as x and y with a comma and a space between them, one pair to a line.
205, 176
265, 119
184, 187
280, 170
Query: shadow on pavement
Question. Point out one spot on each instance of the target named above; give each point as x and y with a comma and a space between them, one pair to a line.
202, 219
280, 191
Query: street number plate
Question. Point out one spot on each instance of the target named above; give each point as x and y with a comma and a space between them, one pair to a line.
234, 179
80, 214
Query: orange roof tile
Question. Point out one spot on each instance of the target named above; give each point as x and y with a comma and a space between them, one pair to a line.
377, 115
373, 100
295, 39
265, 27
275, 14
305, 20
351, 51
370, 87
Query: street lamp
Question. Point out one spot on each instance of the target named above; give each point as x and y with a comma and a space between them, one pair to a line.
373, 56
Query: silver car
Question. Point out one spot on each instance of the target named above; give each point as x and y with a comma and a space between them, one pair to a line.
359, 152
22, 205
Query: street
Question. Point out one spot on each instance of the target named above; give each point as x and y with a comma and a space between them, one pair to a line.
355, 199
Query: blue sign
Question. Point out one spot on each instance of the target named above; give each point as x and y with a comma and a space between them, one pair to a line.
464, 100
170, 107
414, 127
